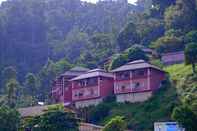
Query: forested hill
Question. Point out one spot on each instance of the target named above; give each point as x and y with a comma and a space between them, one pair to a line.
34, 30
40, 39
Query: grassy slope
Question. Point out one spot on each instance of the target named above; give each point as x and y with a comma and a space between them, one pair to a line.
186, 83
141, 116
179, 71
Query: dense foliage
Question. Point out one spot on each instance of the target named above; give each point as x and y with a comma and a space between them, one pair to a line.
115, 124
41, 39
186, 82
131, 54
191, 55
9, 118
137, 116
55, 118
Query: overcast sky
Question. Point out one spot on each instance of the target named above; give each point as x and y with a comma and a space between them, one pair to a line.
94, 1
130, 1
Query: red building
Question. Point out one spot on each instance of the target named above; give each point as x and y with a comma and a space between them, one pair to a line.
135, 81
62, 88
90, 88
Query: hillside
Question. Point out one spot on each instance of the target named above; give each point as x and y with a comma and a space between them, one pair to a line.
185, 82
141, 116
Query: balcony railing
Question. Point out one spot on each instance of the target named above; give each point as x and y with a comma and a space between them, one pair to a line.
85, 93
128, 87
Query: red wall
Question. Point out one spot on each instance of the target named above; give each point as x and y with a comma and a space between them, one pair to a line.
107, 86
68, 92
156, 78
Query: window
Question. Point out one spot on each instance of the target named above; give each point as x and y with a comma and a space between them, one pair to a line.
136, 85
80, 94
124, 75
123, 87
139, 73
83, 83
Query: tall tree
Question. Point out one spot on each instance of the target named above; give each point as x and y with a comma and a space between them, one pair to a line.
30, 89
13, 88
7, 74
127, 37
191, 55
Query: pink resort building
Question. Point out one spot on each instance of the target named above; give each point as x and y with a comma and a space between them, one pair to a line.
62, 88
136, 81
90, 88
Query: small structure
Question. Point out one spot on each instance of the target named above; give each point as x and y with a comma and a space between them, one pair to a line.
61, 91
173, 58
135, 81
167, 126
89, 127
90, 88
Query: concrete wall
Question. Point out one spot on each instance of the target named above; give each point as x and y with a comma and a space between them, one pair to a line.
86, 103
133, 97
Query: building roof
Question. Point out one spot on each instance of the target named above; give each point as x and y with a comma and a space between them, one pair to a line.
76, 71
138, 64
173, 57
173, 53
93, 73
37, 110
32, 111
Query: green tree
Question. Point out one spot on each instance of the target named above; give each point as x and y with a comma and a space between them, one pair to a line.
135, 53
127, 37
184, 115
13, 88
131, 54
168, 43
191, 55
118, 61
10, 119
99, 112
182, 15
115, 124
30, 90
191, 36
160, 6
56, 120
7, 74
31, 84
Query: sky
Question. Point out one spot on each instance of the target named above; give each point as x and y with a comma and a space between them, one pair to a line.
2, 0
94, 1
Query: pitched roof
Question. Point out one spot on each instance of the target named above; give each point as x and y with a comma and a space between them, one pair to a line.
76, 71
32, 111
138, 64
93, 73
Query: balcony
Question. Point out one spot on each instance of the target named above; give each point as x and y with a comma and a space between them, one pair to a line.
130, 86
85, 93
